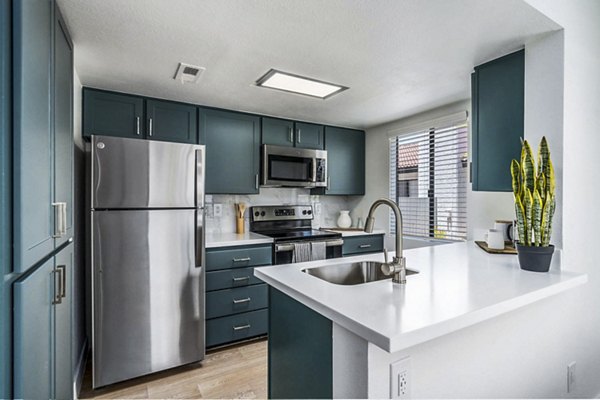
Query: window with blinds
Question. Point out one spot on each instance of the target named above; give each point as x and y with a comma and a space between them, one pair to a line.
428, 181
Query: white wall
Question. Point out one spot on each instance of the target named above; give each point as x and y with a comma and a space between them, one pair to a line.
544, 87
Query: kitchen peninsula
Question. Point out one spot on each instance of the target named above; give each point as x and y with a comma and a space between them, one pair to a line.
345, 337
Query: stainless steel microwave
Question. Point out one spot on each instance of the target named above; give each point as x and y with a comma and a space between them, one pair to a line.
293, 167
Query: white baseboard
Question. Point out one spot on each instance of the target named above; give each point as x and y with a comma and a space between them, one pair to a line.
80, 369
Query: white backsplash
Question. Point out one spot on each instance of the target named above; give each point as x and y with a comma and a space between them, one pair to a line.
326, 208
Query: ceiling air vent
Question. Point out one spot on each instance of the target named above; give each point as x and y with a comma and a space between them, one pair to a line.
188, 73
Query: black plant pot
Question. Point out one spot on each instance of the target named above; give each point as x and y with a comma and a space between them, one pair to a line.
534, 258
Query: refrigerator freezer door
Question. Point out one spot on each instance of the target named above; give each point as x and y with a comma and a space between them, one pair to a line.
134, 173
148, 312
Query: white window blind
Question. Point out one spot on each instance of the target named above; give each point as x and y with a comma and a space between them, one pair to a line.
428, 181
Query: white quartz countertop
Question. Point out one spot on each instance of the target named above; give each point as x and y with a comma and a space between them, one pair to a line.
356, 233
458, 285
223, 239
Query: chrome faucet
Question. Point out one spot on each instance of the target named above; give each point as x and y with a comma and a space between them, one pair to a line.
397, 267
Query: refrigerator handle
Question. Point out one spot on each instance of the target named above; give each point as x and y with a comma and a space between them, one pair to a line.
199, 237
200, 178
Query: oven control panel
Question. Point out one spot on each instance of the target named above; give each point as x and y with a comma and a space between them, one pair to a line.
280, 213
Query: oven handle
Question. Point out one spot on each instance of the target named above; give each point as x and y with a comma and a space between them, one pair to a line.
290, 246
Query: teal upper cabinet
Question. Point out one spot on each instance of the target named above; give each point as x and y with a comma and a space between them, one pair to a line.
345, 162
232, 151
33, 139
498, 89
112, 114
279, 132
169, 121
117, 114
309, 136
63, 126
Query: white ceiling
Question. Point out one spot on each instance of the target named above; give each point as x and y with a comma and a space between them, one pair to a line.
398, 57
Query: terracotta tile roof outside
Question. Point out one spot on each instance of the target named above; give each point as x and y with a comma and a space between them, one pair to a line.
408, 155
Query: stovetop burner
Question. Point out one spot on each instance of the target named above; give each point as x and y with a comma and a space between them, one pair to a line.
287, 223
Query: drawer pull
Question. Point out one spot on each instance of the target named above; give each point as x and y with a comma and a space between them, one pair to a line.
239, 328
241, 279
364, 246
240, 301
241, 259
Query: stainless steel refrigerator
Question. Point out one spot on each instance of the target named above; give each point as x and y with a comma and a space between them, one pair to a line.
147, 253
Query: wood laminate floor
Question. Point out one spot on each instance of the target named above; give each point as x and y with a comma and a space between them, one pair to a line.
234, 372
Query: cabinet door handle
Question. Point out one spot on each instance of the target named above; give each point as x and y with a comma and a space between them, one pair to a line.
241, 259
63, 278
241, 301
241, 279
64, 218
299, 135
239, 328
256, 181
60, 219
364, 246
328, 182
137, 126
150, 126
290, 135
57, 293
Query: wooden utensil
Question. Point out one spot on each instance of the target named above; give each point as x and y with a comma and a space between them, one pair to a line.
240, 209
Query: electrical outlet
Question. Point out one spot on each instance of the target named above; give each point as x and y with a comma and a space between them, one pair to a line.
400, 379
210, 211
571, 381
218, 210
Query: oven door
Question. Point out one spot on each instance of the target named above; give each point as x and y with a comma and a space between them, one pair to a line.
284, 252
284, 166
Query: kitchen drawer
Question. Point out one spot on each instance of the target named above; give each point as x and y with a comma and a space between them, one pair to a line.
233, 301
231, 278
238, 257
236, 327
362, 244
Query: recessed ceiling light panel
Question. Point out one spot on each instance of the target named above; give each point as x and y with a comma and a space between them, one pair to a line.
299, 84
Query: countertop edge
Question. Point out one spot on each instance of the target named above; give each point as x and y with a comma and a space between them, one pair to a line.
232, 239
340, 319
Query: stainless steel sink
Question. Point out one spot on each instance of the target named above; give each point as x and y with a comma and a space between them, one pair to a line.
351, 273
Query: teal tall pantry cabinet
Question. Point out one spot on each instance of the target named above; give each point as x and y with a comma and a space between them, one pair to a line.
38, 128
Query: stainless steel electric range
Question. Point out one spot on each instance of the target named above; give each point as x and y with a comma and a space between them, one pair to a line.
288, 225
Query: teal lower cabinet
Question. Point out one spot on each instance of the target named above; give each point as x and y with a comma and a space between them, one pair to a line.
225, 302
356, 245
300, 350
42, 330
236, 301
236, 327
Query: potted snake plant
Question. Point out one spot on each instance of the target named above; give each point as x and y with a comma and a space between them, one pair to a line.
535, 202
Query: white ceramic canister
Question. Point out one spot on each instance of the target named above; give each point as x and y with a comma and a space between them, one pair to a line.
344, 220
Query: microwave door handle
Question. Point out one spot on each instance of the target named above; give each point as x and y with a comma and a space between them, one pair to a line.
314, 170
